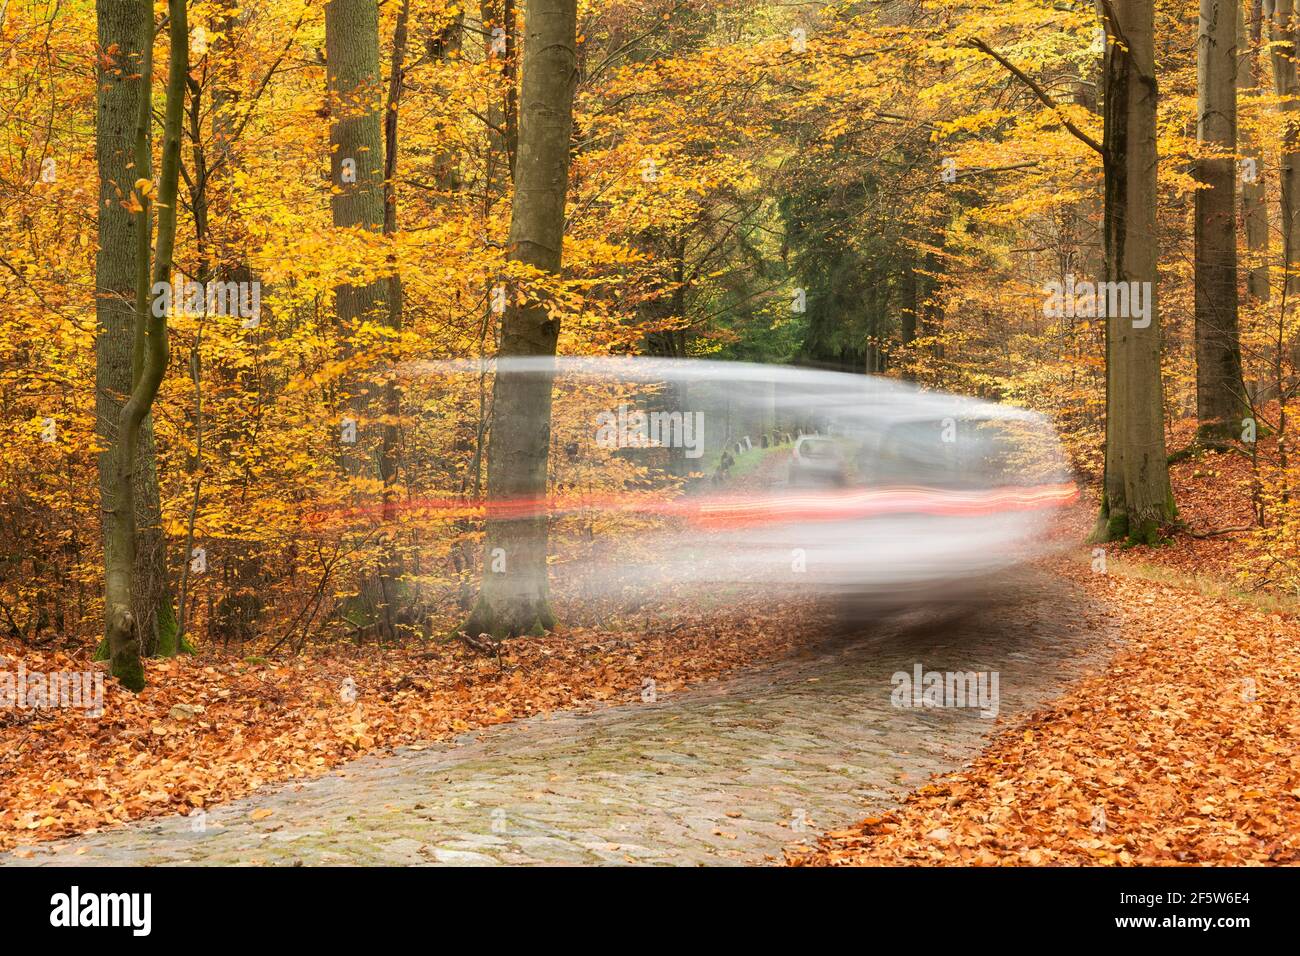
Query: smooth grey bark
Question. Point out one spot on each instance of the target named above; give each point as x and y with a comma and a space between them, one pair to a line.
390, 570
514, 596
123, 28
1254, 196
356, 148
1282, 36
149, 352
1220, 393
503, 114
357, 174
1137, 499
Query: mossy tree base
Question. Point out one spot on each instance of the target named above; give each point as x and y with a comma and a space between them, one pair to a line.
512, 618
1114, 525
1218, 434
171, 641
167, 645
124, 657
129, 672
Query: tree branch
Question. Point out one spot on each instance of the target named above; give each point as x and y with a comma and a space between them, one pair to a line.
1038, 91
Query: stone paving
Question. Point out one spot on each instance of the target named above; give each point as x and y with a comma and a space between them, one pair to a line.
726, 773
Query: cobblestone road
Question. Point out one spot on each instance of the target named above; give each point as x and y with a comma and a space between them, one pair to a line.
727, 773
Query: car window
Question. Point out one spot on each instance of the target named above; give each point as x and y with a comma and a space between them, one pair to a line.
818, 450
968, 453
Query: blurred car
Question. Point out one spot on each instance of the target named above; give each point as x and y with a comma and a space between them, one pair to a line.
891, 495
818, 462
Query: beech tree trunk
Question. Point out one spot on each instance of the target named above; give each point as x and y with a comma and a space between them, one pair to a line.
123, 31
357, 174
1137, 500
514, 596
1282, 34
908, 308
931, 319
356, 151
1220, 393
503, 114
149, 351
1254, 208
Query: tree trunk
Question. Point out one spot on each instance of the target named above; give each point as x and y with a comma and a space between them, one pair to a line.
149, 352
1282, 33
391, 598
356, 152
123, 29
1220, 394
908, 306
1137, 500
1254, 208
931, 319
514, 597
503, 114
357, 162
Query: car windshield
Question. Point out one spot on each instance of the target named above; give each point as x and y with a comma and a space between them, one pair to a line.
818, 450
968, 453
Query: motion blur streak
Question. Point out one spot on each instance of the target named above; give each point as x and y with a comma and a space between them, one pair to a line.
690, 473
755, 509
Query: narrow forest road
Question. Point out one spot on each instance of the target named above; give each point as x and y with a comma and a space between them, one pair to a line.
721, 774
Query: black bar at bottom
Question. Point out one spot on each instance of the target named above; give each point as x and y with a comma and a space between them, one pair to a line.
342, 906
